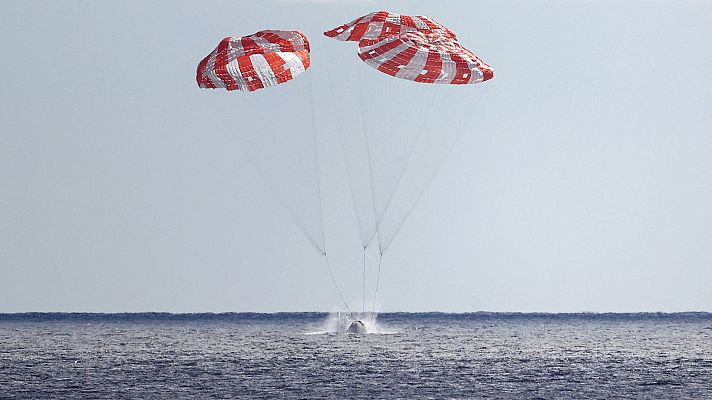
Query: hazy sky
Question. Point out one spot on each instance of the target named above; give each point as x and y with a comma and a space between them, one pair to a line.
584, 184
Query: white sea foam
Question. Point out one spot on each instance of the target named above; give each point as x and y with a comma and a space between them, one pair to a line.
337, 323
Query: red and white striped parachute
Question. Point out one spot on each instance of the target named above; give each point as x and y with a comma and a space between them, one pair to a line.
266, 58
424, 57
413, 48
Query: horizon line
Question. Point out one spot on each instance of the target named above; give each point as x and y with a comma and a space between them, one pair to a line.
277, 313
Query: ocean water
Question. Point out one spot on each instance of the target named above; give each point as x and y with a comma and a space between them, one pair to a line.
307, 356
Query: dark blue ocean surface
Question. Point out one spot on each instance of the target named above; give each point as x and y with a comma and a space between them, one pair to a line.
306, 356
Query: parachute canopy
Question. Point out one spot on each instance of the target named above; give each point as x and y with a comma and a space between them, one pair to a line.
424, 57
414, 48
248, 63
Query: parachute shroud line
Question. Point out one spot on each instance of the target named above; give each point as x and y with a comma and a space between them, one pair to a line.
370, 166
458, 134
263, 177
318, 178
378, 281
363, 293
336, 285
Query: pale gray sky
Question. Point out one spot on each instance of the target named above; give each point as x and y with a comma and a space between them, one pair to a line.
584, 183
